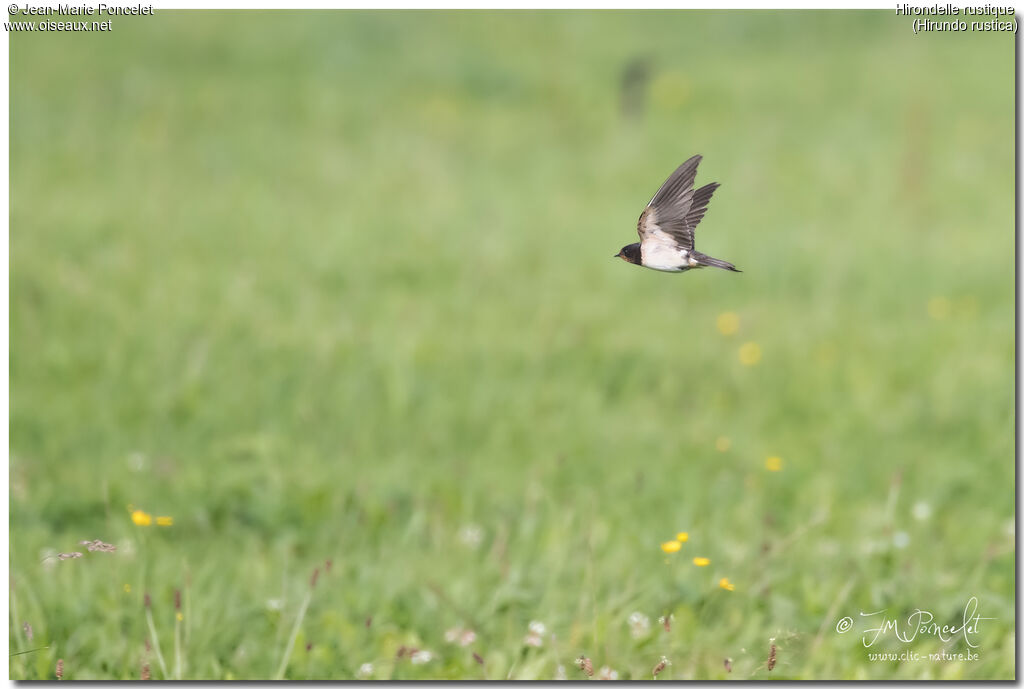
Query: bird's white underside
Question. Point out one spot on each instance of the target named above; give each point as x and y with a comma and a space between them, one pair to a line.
659, 251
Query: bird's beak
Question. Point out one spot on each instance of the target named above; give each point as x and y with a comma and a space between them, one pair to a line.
617, 255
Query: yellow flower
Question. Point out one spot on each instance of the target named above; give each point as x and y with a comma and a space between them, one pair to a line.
826, 354
142, 518
724, 583
750, 354
682, 537
670, 90
938, 308
127, 588
723, 443
773, 463
728, 323
181, 617
671, 546
165, 521
701, 561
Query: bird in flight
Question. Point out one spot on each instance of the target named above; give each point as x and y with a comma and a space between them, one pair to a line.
666, 226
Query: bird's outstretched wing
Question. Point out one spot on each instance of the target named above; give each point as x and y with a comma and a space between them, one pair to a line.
675, 211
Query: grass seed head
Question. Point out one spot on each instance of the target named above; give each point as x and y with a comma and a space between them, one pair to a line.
728, 664
584, 663
98, 546
60, 668
28, 630
662, 664
771, 658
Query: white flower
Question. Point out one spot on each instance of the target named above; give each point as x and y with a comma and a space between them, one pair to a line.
828, 547
560, 673
365, 671
127, 547
535, 636
922, 510
870, 547
607, 673
462, 637
901, 539
639, 625
420, 657
275, 604
471, 535
137, 461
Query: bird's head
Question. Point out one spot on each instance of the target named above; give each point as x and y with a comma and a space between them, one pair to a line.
630, 254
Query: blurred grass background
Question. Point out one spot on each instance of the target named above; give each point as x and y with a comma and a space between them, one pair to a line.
339, 285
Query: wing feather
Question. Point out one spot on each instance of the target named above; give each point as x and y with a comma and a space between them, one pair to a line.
677, 183
676, 209
699, 207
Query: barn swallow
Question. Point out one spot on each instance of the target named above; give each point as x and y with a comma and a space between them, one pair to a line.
666, 226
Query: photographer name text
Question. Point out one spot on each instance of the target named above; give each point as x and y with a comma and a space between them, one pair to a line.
69, 10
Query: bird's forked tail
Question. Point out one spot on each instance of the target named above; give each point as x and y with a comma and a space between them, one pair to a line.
705, 260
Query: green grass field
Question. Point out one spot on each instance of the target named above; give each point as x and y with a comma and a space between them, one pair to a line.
339, 286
